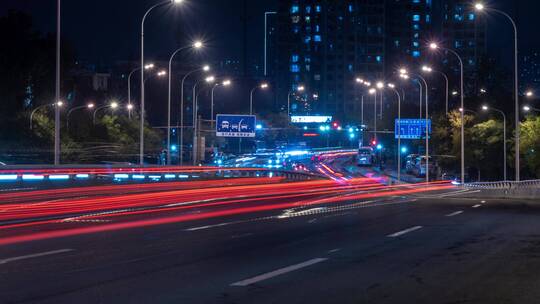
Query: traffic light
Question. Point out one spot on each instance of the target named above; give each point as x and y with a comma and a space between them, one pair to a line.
374, 143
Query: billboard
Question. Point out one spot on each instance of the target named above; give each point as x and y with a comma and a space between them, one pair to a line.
311, 119
412, 128
235, 125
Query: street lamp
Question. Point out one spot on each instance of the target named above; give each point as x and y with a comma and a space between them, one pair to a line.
435, 46
529, 94
209, 80
480, 7
113, 105
141, 135
224, 83
393, 88
487, 108
428, 69
426, 122
403, 74
147, 67
195, 45
204, 68
87, 106
262, 86
373, 92
299, 89
56, 105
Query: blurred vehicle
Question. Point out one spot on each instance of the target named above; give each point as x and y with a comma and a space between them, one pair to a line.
365, 156
410, 163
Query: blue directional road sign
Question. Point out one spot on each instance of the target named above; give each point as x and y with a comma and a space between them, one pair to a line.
235, 125
412, 128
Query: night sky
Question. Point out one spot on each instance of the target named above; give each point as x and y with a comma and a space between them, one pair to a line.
104, 31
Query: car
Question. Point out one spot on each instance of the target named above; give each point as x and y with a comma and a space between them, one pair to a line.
365, 156
234, 127
224, 124
243, 127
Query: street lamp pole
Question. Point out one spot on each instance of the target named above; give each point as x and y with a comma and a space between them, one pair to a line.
504, 139
196, 45
88, 106
447, 88
143, 113
481, 7
57, 89
391, 86
181, 151
434, 46
34, 112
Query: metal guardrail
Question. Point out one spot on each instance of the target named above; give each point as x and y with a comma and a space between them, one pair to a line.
506, 185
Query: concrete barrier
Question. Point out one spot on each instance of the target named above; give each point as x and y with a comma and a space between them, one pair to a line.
529, 189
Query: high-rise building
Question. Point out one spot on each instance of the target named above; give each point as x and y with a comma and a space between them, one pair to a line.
409, 26
323, 45
465, 32
530, 71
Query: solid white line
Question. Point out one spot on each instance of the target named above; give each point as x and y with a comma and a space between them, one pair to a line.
278, 272
35, 255
454, 214
400, 233
334, 250
476, 206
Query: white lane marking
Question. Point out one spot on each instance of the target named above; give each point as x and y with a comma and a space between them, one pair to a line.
400, 233
207, 227
454, 213
334, 250
278, 272
35, 255
476, 206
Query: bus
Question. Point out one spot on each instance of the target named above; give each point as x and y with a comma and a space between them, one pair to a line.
365, 156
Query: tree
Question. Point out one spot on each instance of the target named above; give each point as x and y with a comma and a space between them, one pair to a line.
530, 145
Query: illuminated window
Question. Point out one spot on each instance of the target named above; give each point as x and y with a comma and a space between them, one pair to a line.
294, 58
295, 68
472, 17
416, 53
416, 18
295, 9
317, 38
318, 8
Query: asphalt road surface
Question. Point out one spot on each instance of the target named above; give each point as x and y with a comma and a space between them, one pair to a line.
415, 248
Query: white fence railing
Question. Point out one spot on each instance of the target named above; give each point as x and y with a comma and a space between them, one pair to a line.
507, 185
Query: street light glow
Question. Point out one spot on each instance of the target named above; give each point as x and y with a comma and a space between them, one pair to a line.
149, 66
210, 79
264, 85
483, 91
114, 105
529, 93
426, 68
391, 85
226, 82
367, 83
380, 85
177, 1
372, 91
130, 107
301, 88
455, 93
403, 71
485, 108
206, 68
526, 108
90, 106
162, 73
60, 103
433, 46
198, 44
404, 76
359, 80
479, 6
